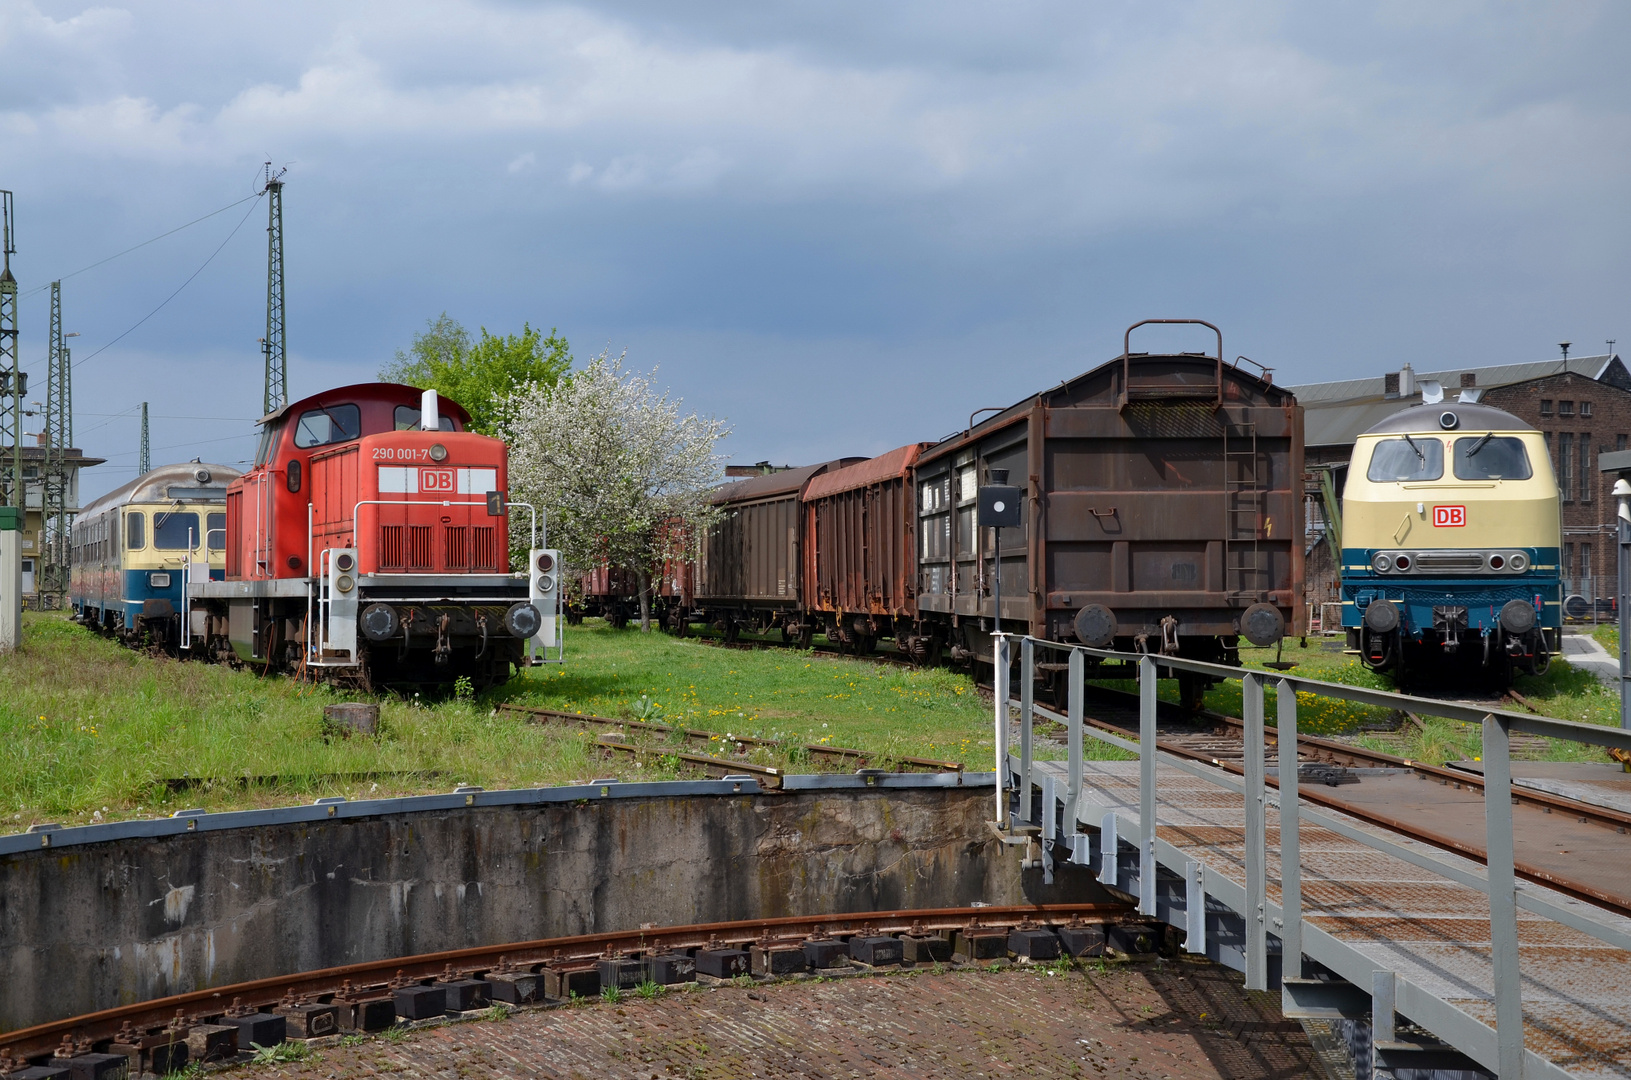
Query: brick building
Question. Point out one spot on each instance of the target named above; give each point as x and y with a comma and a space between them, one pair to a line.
1583, 405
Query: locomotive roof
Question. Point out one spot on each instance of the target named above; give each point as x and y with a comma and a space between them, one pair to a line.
786, 482
393, 393
874, 470
167, 483
1469, 417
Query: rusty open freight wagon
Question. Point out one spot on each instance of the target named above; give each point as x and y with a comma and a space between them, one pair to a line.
1162, 512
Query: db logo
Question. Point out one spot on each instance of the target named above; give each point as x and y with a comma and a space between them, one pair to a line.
436, 480
1449, 517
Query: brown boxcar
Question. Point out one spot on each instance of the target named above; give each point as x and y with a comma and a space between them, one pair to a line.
748, 572
859, 567
1163, 512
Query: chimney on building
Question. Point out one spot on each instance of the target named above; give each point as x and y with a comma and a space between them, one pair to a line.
1390, 385
1407, 381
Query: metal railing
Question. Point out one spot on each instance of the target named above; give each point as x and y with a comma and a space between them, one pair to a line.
1501, 1050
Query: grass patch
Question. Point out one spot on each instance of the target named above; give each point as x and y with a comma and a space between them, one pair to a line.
90, 730
1608, 636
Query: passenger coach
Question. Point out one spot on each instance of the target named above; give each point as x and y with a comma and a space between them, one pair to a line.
136, 547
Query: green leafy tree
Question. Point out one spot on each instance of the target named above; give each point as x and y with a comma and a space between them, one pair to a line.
480, 374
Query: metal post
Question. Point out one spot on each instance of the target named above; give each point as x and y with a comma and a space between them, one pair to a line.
999, 689
1109, 871
1050, 798
1383, 998
1146, 786
1073, 794
1256, 913
1291, 877
1503, 904
1622, 491
1027, 703
1195, 908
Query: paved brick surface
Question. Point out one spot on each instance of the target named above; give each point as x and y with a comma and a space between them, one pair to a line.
1176, 1020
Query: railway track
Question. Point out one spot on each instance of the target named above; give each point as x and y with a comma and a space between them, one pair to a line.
373, 995
1543, 822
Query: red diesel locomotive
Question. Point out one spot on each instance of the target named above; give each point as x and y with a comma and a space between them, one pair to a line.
369, 544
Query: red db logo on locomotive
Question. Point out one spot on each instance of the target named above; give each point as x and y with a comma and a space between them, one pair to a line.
437, 480
1452, 517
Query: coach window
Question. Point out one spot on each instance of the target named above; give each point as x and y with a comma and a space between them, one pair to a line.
215, 535
135, 530
175, 532
1490, 457
332, 424
407, 419
1406, 459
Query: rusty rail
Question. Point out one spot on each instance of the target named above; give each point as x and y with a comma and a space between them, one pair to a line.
848, 755
375, 976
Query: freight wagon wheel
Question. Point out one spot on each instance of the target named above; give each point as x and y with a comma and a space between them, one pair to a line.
618, 620
733, 631
806, 636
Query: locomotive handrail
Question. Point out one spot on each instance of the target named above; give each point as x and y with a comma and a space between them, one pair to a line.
1501, 1048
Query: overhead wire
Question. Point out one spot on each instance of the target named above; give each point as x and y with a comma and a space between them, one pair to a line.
138, 247
175, 294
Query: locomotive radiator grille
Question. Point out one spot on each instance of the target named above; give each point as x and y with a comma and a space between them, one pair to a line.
419, 547
391, 553
457, 547
483, 551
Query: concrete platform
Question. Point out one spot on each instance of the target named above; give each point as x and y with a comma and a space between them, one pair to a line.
1366, 911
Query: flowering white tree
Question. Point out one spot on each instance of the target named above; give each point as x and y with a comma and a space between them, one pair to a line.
614, 464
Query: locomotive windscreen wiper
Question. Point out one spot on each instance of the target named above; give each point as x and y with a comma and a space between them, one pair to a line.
1416, 448
1483, 440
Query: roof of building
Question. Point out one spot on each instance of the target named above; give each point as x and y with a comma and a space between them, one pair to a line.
1336, 413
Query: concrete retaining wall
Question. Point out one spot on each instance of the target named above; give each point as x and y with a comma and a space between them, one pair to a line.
93, 925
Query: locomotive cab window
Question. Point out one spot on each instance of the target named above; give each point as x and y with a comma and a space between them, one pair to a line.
1406, 459
407, 419
215, 531
135, 529
269, 434
334, 424
1488, 457
171, 532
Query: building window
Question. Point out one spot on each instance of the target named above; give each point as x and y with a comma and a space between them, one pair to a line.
1619, 442
1585, 410
1586, 573
1545, 407
1565, 408
1565, 465
1585, 466
1568, 566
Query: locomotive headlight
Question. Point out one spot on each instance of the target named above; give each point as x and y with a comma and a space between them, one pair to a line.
438, 452
1402, 562
546, 563
1381, 564
1497, 561
343, 562
546, 583
345, 583
1518, 561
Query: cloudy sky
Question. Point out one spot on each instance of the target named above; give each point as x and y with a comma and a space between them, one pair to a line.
841, 226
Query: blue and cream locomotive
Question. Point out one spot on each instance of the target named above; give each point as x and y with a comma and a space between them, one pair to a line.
136, 546
1450, 537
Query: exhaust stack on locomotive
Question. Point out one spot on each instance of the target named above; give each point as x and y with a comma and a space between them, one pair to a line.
369, 542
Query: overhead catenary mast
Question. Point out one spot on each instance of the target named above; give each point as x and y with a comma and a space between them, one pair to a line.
56, 476
144, 461
12, 385
272, 346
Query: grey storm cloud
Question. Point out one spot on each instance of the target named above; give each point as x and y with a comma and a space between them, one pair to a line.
842, 226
